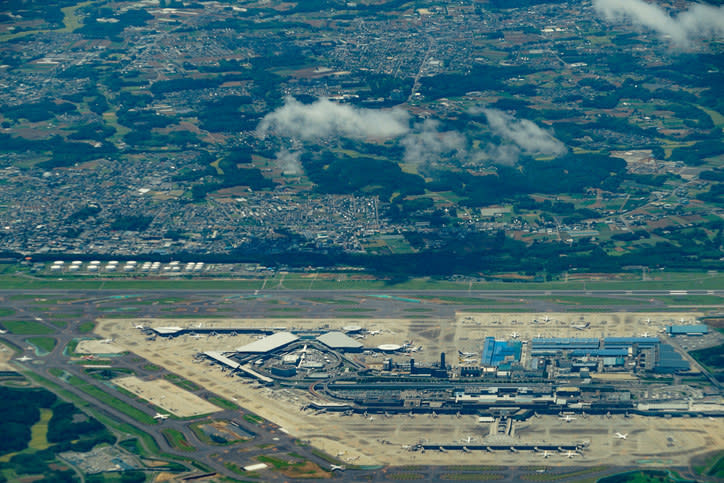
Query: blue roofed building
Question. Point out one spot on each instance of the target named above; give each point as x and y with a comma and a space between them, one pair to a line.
697, 329
497, 352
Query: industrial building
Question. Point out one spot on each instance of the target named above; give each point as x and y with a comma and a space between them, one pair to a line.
698, 329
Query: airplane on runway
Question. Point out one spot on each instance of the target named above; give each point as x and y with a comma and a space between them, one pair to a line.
162, 417
24, 359
621, 436
336, 467
571, 454
38, 319
567, 418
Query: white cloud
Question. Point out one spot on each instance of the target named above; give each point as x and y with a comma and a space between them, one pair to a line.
526, 137
324, 118
288, 162
699, 22
427, 143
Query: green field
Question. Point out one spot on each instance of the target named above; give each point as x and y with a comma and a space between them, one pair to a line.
26, 327
111, 401
660, 281
177, 439
44, 344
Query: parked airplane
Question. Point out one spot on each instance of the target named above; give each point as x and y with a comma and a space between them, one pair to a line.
3, 331
140, 327
567, 418
621, 436
106, 341
546, 454
374, 332
645, 334
336, 467
24, 359
546, 319
581, 326
162, 417
467, 354
571, 454
465, 449
514, 335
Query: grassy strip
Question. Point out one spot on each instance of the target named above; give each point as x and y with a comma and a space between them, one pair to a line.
111, 401
44, 344
177, 439
666, 281
222, 403
472, 476
563, 476
253, 419
181, 382
4, 312
27, 327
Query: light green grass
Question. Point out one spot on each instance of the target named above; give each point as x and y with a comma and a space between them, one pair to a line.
44, 344
177, 439
111, 401
4, 311
26, 327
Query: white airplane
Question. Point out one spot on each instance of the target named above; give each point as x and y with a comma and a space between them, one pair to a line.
433, 415
374, 332
160, 416
3, 331
567, 418
336, 467
581, 326
545, 454
106, 341
469, 439
416, 348
371, 418
514, 335
196, 336
546, 319
467, 354
645, 334
571, 454
648, 320
139, 327
621, 435
38, 319
24, 359
465, 449
443, 450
